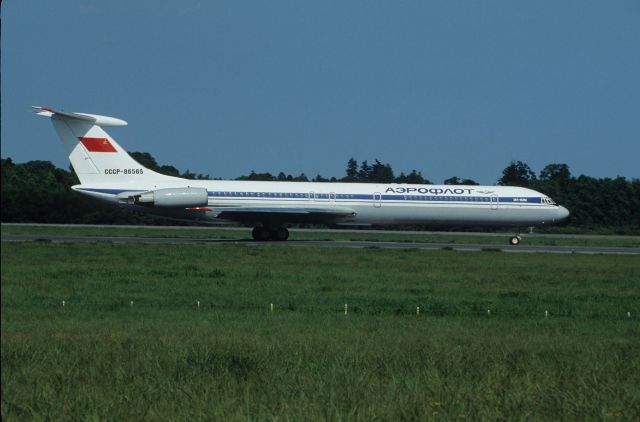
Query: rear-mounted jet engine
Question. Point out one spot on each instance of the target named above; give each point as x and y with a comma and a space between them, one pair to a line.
171, 197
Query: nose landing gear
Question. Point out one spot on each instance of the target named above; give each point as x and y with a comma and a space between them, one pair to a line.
261, 233
515, 240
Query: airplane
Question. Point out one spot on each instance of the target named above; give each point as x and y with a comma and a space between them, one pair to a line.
108, 173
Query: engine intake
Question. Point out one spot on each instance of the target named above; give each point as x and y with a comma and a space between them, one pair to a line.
171, 197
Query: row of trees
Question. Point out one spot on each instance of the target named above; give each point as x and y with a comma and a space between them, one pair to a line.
592, 201
37, 191
363, 173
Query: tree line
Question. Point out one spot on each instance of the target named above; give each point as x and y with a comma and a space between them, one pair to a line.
39, 192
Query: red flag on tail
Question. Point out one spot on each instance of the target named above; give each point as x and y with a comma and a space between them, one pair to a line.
97, 145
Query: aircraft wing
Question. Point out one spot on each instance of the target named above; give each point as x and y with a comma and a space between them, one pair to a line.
284, 214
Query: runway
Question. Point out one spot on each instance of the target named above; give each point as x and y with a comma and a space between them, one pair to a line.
341, 230
522, 248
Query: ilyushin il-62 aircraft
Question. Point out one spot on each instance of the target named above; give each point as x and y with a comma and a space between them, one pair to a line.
107, 173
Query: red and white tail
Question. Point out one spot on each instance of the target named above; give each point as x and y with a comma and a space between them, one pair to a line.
95, 156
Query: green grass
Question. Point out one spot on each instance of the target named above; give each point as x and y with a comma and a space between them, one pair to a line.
242, 233
98, 357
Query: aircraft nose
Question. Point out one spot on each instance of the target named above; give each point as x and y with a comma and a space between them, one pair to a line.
562, 213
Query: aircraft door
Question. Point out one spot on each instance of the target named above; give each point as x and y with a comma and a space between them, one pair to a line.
377, 199
494, 202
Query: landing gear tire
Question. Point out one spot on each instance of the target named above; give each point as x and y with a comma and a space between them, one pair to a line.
280, 234
514, 240
260, 233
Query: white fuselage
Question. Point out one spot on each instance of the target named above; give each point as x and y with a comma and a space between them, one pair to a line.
372, 203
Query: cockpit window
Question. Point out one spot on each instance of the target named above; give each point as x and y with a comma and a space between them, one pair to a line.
548, 201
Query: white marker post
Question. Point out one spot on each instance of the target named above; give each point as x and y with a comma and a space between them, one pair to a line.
418, 310
345, 308
271, 307
546, 314
628, 314
198, 302
131, 303
63, 303
489, 312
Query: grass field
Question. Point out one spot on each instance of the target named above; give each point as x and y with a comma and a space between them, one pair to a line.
100, 357
364, 235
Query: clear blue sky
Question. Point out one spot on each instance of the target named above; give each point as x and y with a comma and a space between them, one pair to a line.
226, 87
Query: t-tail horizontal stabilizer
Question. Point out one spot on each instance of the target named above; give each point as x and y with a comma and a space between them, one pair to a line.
90, 118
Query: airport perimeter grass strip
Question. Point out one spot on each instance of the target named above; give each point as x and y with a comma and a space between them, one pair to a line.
131, 341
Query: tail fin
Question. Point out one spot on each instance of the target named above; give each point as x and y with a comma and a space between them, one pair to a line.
95, 156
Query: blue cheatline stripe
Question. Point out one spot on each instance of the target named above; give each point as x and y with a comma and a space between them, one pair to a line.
370, 197
288, 195
521, 200
347, 196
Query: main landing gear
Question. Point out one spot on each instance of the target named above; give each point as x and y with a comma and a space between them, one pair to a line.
265, 233
515, 240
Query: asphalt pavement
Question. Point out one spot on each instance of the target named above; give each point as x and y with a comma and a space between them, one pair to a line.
522, 248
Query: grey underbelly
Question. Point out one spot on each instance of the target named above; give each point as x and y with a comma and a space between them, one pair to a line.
467, 215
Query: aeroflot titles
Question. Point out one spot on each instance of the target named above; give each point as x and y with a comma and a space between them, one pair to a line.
435, 191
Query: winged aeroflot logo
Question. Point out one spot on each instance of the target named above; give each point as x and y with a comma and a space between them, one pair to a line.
97, 145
